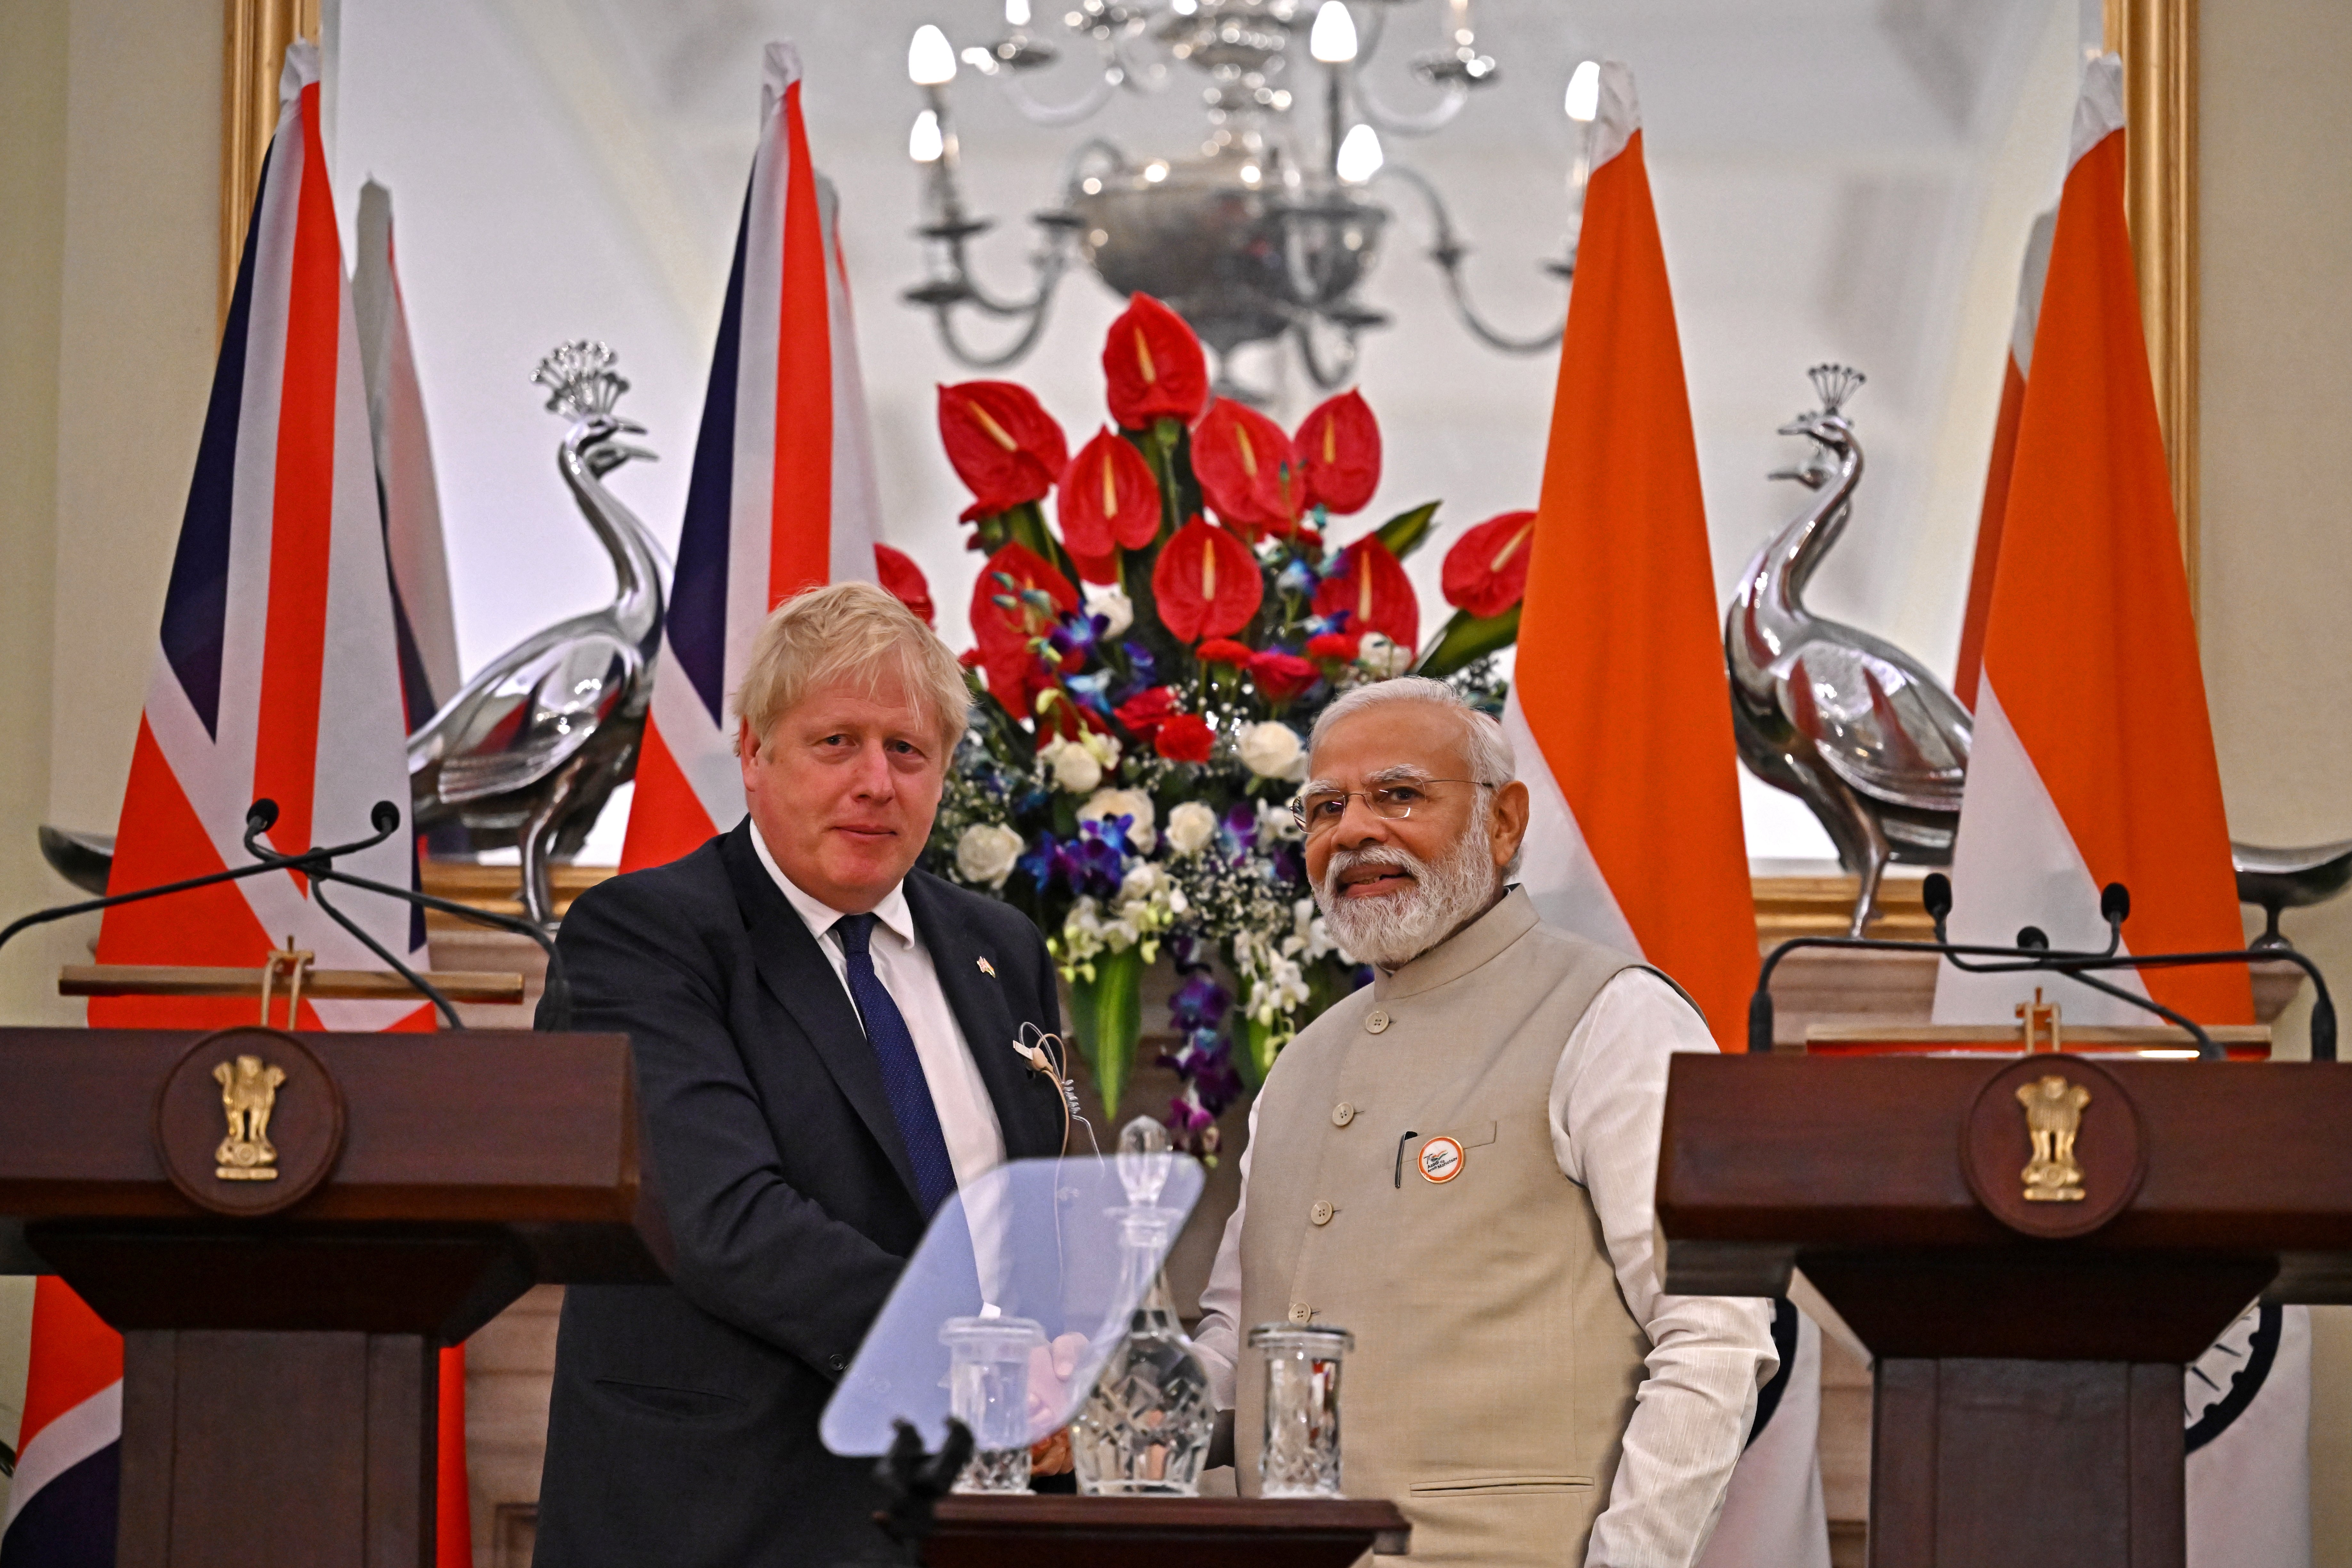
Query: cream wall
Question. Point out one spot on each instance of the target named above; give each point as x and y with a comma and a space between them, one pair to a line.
108, 222
32, 244
2276, 234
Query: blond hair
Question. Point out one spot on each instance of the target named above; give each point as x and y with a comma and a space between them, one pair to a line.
852, 631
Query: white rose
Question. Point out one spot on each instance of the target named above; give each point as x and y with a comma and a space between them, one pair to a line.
1128, 803
985, 853
1271, 750
1110, 602
1074, 767
1191, 825
1275, 825
1384, 657
1140, 883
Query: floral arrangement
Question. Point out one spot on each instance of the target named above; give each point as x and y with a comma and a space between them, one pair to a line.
1148, 663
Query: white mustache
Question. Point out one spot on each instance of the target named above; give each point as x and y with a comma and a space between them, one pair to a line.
1378, 860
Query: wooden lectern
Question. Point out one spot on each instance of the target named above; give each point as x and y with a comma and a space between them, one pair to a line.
2031, 1262
285, 1229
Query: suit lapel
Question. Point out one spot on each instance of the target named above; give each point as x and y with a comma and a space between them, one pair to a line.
801, 978
1025, 1111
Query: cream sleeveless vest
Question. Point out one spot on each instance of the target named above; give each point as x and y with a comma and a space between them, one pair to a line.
1495, 1363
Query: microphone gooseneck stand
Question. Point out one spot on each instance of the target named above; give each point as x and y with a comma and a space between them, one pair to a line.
2032, 955
318, 864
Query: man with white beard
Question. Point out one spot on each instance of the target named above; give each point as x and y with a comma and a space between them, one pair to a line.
1456, 1164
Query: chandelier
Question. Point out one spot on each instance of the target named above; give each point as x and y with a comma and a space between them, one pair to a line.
1268, 231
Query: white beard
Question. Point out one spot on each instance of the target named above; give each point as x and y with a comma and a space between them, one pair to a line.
1393, 929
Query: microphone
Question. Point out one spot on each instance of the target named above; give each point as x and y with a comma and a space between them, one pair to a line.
318, 864
2032, 953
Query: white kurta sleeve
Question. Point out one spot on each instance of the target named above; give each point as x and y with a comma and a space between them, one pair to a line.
1218, 1335
1709, 1354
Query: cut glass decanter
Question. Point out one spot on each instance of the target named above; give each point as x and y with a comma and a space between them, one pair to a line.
1144, 1430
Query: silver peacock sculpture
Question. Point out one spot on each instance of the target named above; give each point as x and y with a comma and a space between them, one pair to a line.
1845, 721
529, 750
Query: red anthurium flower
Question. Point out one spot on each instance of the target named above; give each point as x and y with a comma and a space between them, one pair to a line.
1338, 450
1279, 677
1147, 709
1336, 647
1186, 737
1206, 583
1154, 366
1369, 582
1006, 617
1108, 500
1487, 570
1003, 443
1225, 650
904, 580
1246, 468
1095, 568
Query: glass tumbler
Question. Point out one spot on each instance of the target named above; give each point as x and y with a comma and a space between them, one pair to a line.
988, 1391
1301, 1457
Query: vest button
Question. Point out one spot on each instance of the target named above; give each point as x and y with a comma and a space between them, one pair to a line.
1321, 1213
1377, 1019
1301, 1312
1342, 1113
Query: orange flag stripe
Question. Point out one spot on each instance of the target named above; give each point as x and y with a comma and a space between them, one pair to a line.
1970, 668
1620, 669
2089, 640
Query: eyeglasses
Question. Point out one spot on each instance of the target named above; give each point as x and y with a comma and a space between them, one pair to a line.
1320, 812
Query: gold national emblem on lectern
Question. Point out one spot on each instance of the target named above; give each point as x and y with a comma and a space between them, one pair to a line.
2053, 1115
248, 1093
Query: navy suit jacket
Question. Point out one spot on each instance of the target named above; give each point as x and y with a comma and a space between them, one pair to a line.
683, 1427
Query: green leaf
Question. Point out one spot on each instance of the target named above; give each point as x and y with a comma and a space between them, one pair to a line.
1255, 1058
1106, 1018
1469, 638
1405, 532
1026, 524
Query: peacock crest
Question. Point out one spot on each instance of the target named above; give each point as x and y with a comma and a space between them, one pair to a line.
1834, 383
579, 379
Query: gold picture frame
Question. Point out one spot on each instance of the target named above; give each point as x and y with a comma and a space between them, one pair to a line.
2157, 38
2157, 41
255, 33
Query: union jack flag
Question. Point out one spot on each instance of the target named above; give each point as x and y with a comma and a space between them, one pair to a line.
277, 676
781, 496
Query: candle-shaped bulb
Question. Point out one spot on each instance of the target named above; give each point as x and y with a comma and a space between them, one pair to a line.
930, 60
924, 142
1584, 91
1333, 39
1359, 156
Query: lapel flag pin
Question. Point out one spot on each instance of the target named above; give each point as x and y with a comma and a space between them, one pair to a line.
988, 969
1441, 1160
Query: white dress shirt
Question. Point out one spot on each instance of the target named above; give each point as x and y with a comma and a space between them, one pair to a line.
967, 1116
1693, 1409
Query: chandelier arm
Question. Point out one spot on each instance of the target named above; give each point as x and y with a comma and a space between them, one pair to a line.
1145, 80
1040, 309
1049, 264
1057, 114
1074, 167
1303, 332
1396, 123
1448, 251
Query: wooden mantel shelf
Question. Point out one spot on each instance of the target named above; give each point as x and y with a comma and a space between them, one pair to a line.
1785, 906
1823, 986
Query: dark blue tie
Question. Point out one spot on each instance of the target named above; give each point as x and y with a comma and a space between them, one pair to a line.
902, 1070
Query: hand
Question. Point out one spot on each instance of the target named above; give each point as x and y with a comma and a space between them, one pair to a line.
1051, 1367
1051, 1456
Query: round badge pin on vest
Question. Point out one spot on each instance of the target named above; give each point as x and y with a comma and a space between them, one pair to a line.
1440, 1160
